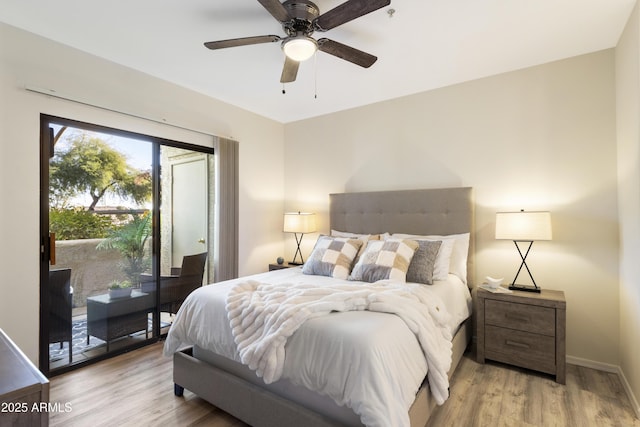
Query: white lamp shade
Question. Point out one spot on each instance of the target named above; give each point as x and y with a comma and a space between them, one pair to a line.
523, 225
299, 222
300, 48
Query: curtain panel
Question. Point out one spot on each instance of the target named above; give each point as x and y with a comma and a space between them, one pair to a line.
226, 246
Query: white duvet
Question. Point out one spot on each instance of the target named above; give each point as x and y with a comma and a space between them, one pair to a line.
370, 361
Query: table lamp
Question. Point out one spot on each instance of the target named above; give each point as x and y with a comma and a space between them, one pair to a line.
523, 227
299, 223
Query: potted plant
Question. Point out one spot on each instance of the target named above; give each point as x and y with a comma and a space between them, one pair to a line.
119, 289
131, 241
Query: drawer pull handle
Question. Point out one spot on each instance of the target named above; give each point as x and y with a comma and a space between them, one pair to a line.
517, 344
517, 317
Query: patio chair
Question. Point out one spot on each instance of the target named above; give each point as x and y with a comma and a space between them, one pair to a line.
175, 288
60, 306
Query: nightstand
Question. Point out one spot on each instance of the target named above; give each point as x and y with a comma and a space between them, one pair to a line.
523, 329
281, 266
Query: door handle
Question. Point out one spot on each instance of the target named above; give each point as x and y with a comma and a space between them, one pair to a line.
52, 248
201, 241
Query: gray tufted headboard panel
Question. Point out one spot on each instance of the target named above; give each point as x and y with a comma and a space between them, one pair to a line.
424, 212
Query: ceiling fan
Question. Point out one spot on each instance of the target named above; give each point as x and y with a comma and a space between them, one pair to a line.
299, 19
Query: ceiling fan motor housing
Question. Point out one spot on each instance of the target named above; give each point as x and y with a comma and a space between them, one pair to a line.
302, 15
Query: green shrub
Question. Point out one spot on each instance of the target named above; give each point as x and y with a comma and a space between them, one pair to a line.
130, 240
119, 284
77, 223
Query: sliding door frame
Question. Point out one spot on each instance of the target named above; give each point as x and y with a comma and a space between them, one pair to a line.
46, 152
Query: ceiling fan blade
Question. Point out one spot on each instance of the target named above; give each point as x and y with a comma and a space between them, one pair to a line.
275, 8
244, 41
290, 70
346, 12
347, 53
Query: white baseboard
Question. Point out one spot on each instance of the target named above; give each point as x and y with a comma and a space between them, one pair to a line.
609, 368
593, 364
627, 388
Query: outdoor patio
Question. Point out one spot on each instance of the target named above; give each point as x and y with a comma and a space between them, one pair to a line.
81, 350
91, 272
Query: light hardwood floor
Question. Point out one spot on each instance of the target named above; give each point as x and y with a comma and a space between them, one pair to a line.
136, 389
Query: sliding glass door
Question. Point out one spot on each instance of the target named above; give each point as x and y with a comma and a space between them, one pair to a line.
122, 243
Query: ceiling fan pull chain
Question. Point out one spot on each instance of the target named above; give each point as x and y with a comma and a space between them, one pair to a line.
283, 91
315, 75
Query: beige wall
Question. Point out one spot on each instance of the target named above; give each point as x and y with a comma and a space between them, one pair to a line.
628, 127
540, 138
26, 59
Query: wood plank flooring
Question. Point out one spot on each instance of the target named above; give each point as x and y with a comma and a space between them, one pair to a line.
136, 389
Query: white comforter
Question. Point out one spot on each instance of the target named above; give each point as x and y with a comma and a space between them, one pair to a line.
339, 355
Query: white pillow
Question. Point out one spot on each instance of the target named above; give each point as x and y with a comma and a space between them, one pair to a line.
363, 237
453, 251
459, 255
443, 259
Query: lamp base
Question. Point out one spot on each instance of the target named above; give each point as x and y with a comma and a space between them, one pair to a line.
515, 287
295, 263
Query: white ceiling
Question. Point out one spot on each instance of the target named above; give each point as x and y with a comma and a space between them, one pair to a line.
426, 44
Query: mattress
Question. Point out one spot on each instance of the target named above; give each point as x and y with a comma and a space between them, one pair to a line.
372, 390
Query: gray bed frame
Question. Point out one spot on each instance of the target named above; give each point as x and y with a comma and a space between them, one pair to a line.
430, 211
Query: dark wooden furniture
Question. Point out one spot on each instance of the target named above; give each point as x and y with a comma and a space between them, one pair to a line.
110, 318
60, 307
281, 266
523, 329
175, 288
22, 386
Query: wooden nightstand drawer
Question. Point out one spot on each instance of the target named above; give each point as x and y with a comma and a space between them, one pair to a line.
526, 349
524, 317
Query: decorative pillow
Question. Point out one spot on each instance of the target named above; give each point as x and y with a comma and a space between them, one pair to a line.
458, 254
421, 267
332, 256
384, 259
364, 237
443, 259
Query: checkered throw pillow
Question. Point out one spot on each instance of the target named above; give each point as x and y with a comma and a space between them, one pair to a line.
332, 256
385, 259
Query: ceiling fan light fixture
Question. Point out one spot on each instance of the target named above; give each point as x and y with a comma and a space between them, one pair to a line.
299, 48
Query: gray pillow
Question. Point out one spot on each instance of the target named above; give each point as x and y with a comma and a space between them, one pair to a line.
421, 267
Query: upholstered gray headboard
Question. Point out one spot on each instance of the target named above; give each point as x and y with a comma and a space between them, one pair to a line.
424, 212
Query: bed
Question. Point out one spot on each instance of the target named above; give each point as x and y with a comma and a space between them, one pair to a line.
207, 363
